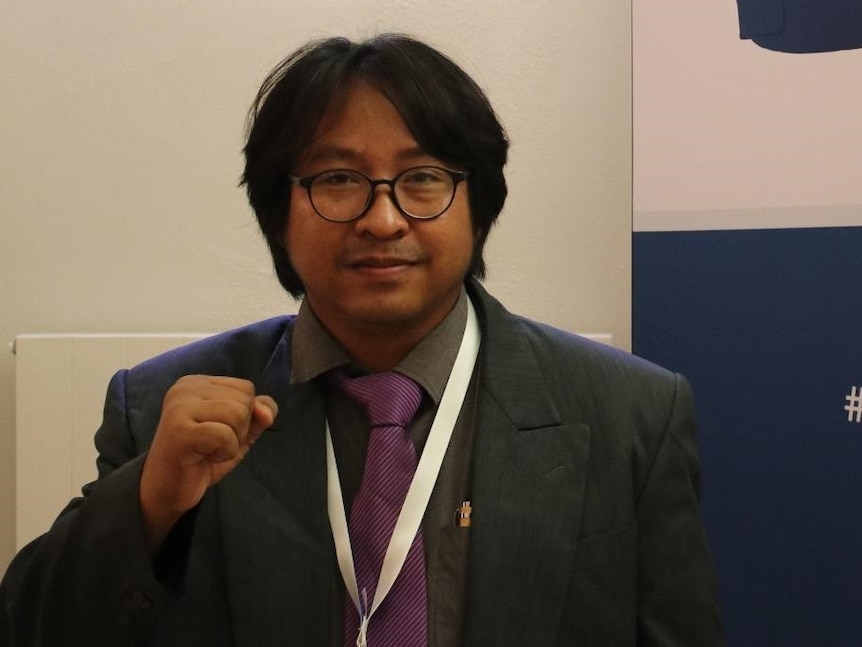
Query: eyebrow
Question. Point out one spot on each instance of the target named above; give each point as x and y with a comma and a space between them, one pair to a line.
335, 153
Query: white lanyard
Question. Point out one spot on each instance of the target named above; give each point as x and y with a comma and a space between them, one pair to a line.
413, 509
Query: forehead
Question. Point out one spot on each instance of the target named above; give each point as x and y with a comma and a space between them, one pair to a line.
361, 122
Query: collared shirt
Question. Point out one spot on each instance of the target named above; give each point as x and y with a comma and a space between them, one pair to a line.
315, 352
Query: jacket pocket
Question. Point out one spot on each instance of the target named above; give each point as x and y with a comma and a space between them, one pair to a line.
611, 547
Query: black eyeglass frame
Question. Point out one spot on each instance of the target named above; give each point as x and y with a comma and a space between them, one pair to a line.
307, 181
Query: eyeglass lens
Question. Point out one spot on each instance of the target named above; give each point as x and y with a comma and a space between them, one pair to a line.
344, 194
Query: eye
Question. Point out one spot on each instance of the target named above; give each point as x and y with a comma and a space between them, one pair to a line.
424, 176
339, 178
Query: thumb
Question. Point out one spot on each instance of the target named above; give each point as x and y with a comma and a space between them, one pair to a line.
262, 416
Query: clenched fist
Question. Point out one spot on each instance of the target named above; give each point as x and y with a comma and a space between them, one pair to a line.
208, 424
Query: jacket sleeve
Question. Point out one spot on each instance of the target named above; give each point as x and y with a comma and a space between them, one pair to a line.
677, 599
89, 580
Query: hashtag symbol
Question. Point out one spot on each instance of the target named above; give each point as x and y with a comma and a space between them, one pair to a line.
854, 405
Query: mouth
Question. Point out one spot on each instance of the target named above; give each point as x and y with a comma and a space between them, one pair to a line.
382, 268
380, 262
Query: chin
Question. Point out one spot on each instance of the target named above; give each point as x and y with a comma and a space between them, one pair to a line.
393, 308
381, 314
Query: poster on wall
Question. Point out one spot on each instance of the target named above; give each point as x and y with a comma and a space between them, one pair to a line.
802, 26
747, 255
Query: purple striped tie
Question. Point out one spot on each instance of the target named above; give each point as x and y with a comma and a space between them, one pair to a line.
390, 401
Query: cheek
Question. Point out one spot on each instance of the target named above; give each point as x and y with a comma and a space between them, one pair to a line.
291, 239
313, 247
298, 235
463, 231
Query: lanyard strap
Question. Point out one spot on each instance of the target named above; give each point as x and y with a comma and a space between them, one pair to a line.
413, 509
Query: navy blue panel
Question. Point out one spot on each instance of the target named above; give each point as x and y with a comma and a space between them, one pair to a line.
802, 26
768, 327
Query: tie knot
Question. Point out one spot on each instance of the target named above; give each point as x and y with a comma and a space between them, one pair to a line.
387, 398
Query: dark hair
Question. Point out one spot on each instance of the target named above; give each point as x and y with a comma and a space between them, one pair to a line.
447, 112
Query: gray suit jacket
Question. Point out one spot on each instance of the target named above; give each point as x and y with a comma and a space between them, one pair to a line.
586, 528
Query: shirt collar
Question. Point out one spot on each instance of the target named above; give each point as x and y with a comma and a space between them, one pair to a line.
314, 351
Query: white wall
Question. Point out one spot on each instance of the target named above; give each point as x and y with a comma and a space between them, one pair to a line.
120, 133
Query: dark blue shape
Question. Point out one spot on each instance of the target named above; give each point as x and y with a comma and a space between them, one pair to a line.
768, 327
802, 26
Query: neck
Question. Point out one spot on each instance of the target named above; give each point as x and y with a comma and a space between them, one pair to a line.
377, 349
378, 357
379, 346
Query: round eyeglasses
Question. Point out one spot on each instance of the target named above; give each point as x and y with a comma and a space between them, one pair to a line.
344, 195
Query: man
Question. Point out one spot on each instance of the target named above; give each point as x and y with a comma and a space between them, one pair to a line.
242, 486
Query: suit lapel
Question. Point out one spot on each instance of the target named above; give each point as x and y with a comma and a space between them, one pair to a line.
528, 492
278, 552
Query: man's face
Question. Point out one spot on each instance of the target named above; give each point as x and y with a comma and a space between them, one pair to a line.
384, 273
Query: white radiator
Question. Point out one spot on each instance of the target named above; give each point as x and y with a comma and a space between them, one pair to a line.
60, 383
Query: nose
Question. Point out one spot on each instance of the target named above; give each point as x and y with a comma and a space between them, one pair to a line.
383, 219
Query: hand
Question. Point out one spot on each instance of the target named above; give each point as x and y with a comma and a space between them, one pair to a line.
208, 425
